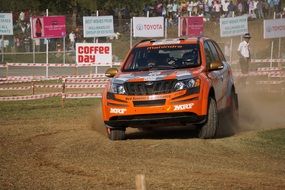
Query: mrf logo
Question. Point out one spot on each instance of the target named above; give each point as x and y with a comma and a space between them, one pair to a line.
117, 110
183, 107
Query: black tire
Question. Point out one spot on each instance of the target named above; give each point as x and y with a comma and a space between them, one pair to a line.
228, 121
210, 127
233, 111
116, 134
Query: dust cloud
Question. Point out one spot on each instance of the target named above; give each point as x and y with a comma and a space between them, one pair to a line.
260, 109
96, 120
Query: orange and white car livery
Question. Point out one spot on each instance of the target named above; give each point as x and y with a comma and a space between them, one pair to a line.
170, 82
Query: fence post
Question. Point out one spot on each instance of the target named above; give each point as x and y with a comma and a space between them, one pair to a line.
140, 182
63, 92
7, 70
33, 87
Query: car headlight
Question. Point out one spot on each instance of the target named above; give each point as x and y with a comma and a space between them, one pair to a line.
117, 89
187, 84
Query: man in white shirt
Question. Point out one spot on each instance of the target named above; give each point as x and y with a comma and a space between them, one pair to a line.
72, 40
244, 55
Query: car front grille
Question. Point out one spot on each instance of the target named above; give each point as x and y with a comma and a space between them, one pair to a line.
149, 87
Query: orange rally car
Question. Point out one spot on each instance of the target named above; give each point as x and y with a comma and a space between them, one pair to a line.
170, 82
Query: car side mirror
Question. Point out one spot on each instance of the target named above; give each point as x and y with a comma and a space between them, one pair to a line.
111, 72
216, 65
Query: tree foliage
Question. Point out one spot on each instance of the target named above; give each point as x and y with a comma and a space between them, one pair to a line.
68, 6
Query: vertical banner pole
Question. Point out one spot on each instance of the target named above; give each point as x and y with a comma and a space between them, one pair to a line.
231, 49
2, 48
272, 45
34, 54
96, 41
46, 51
64, 50
165, 28
131, 33
179, 25
279, 50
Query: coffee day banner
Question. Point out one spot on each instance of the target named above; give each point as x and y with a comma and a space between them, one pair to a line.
90, 53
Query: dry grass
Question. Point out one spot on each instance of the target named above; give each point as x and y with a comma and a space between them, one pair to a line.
43, 146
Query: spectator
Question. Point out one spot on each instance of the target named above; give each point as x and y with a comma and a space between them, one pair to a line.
231, 9
169, 10
190, 8
72, 40
251, 9
259, 8
240, 8
244, 56
225, 6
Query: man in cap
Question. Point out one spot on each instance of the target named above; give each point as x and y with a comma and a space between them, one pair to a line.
244, 56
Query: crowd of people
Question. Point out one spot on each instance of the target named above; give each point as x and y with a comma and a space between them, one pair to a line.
214, 9
211, 10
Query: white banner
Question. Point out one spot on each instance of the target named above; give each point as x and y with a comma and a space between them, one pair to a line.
148, 26
233, 26
98, 26
6, 24
93, 53
274, 28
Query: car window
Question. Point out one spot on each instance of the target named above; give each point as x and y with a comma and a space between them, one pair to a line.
220, 53
166, 56
208, 54
214, 51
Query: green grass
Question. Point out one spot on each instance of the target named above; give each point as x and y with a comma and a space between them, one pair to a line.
275, 137
44, 109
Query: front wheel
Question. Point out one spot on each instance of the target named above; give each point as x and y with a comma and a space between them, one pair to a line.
116, 134
210, 127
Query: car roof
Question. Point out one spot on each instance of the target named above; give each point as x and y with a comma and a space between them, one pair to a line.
169, 41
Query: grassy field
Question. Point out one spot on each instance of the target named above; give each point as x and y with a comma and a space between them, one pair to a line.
45, 146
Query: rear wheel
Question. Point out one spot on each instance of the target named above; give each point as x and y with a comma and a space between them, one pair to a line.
233, 113
116, 134
209, 129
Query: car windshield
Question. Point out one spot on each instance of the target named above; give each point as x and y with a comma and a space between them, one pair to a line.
163, 57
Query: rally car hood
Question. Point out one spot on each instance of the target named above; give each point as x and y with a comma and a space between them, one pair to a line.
155, 75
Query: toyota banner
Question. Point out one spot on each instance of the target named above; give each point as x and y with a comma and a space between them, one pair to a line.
148, 26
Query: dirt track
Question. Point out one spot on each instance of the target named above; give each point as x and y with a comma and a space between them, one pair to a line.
56, 153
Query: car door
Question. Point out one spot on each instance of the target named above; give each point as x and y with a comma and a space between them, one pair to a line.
225, 72
217, 76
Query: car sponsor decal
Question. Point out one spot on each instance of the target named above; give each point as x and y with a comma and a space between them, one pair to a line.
152, 97
152, 76
183, 107
118, 110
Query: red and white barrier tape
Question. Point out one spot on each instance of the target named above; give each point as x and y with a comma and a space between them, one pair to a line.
238, 74
59, 64
260, 61
267, 60
269, 82
30, 97
86, 80
32, 78
18, 82
268, 69
49, 86
85, 86
16, 88
85, 95
25, 78
277, 75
